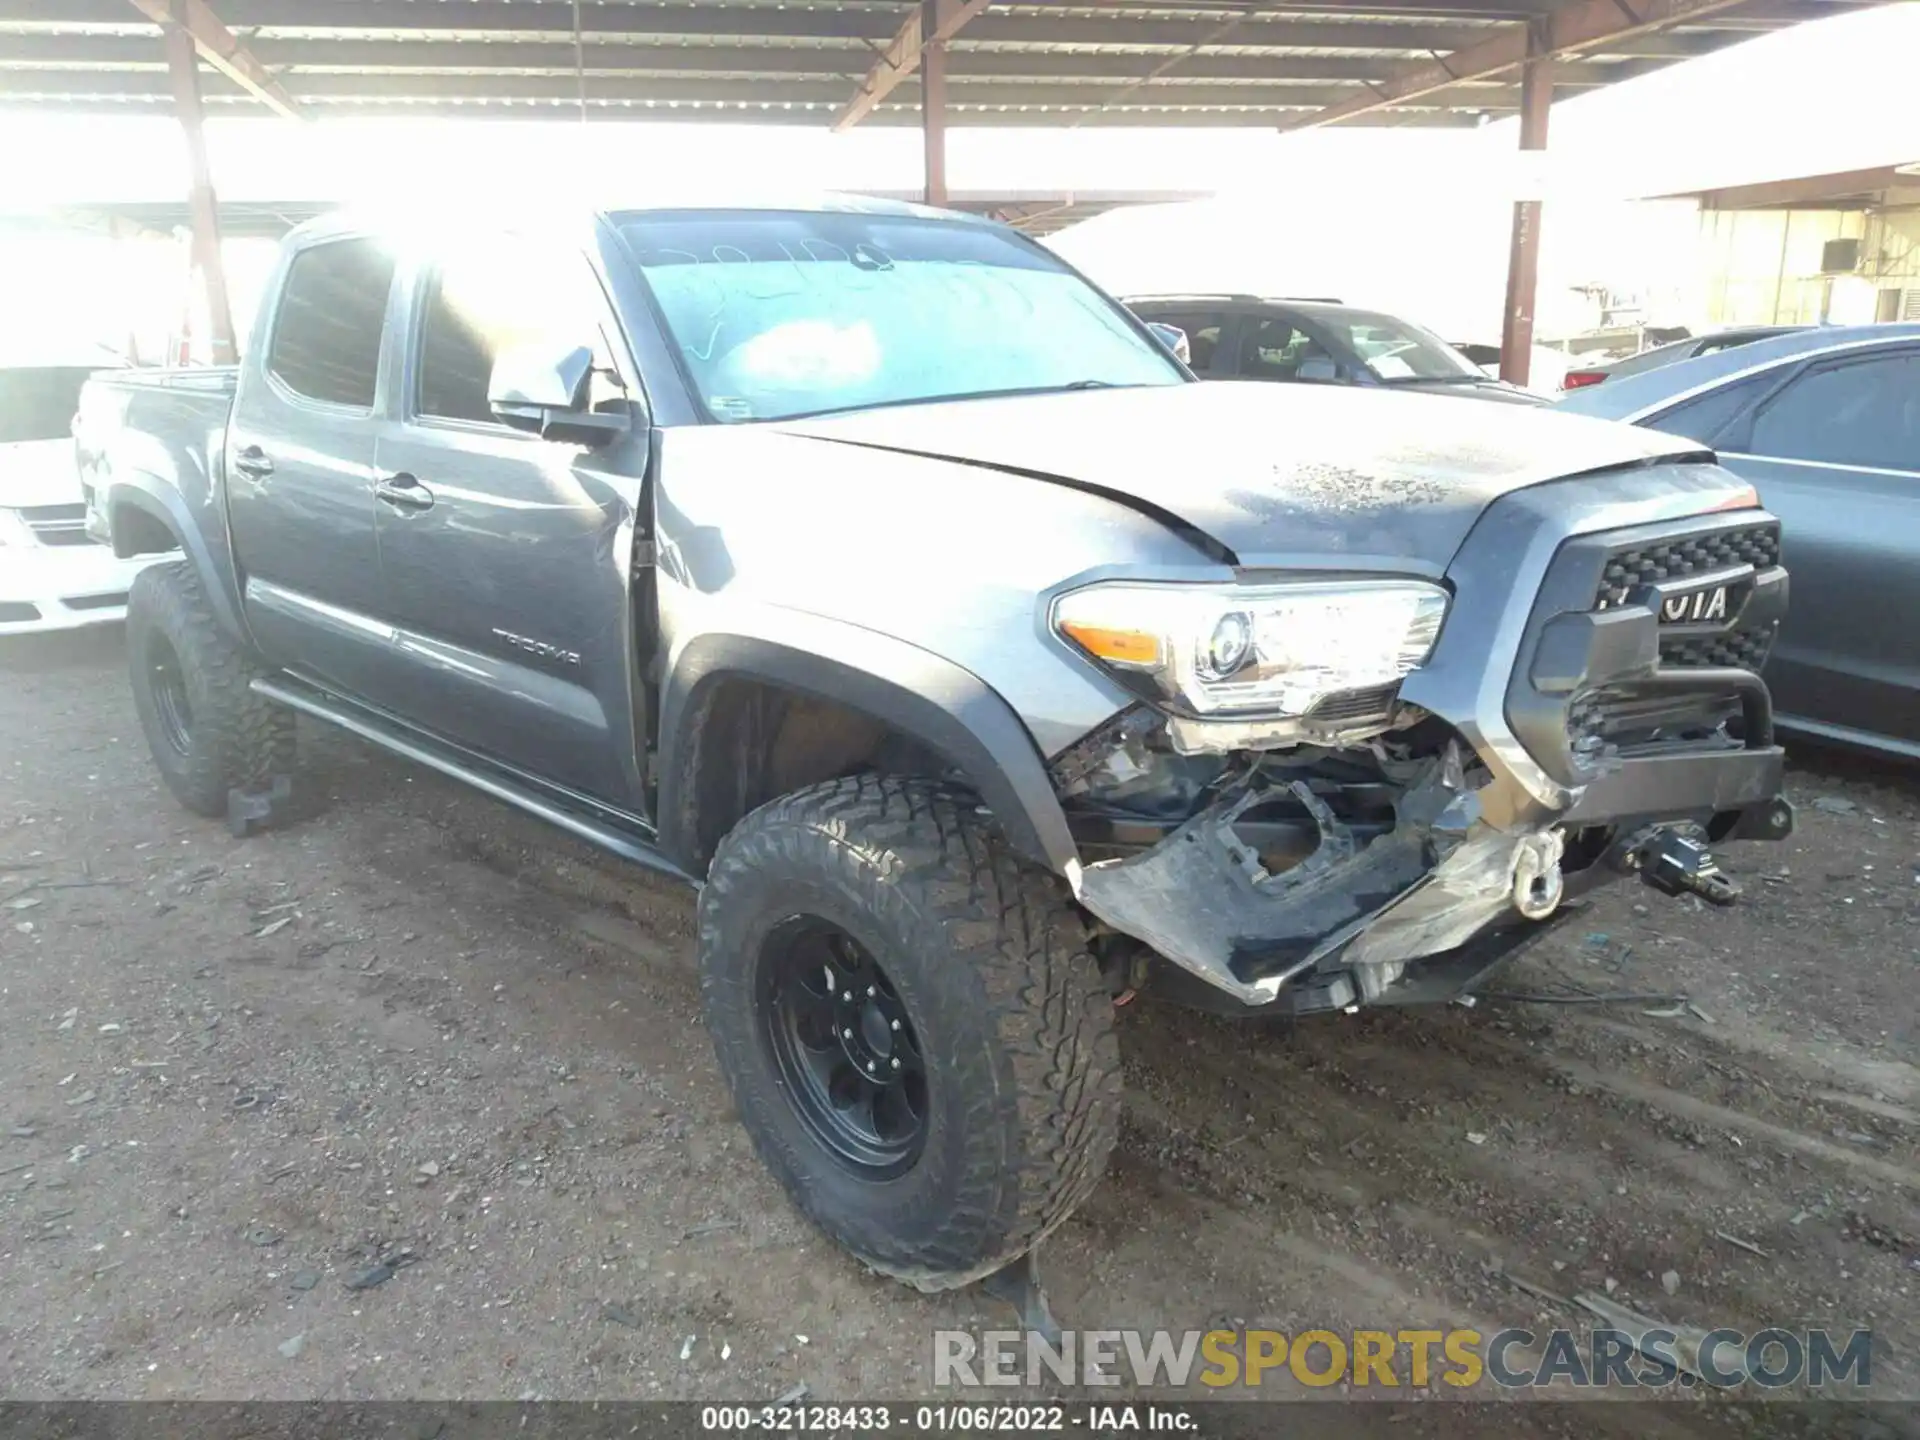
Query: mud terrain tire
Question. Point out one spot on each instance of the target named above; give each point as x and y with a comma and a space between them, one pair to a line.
209, 733
983, 958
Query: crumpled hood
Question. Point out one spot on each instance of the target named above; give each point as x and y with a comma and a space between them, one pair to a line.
38, 472
1272, 473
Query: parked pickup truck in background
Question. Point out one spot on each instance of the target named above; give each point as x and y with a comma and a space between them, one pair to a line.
867, 566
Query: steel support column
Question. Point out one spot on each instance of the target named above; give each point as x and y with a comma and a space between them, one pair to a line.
183, 66
1523, 259
933, 102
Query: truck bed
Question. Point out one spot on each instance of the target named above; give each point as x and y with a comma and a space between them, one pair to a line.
147, 443
174, 405
176, 401
222, 379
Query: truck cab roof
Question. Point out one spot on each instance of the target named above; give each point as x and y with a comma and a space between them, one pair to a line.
571, 214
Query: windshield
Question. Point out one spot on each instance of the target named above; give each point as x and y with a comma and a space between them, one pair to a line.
1396, 351
38, 403
779, 315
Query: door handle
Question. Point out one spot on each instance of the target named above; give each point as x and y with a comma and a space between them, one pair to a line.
404, 492
252, 462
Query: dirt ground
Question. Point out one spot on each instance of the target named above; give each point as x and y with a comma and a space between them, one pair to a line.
413, 1026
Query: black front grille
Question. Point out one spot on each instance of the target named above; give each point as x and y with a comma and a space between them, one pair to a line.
1685, 555
51, 514
1737, 650
1598, 686
57, 524
1374, 704
63, 535
12, 612
1603, 720
97, 602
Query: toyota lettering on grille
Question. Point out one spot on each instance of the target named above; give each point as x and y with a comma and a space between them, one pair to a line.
1707, 605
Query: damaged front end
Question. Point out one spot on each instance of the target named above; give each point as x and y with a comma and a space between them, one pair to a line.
1375, 850
1316, 872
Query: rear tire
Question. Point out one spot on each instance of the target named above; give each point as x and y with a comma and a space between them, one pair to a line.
208, 731
981, 981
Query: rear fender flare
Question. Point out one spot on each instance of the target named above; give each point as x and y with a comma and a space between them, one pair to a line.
162, 503
948, 709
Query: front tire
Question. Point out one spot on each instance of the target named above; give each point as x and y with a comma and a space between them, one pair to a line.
208, 731
874, 920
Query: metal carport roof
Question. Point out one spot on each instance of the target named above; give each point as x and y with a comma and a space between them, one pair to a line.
1038, 212
1279, 63
1210, 62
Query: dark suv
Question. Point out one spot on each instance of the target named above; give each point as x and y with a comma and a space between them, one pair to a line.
1243, 337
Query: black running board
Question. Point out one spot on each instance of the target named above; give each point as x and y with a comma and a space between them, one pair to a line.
489, 779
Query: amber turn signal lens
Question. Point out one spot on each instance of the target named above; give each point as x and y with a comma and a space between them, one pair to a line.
1119, 647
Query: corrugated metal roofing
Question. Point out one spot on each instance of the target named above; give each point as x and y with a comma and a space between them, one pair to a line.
1035, 211
1213, 62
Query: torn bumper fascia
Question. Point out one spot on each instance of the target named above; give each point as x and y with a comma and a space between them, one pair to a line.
1442, 877
1202, 899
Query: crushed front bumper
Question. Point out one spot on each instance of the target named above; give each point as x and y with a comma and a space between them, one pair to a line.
1344, 926
1533, 800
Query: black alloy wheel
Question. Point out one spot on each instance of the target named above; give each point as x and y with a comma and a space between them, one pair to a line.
167, 683
844, 1047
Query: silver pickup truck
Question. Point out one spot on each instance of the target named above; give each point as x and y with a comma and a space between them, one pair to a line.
867, 567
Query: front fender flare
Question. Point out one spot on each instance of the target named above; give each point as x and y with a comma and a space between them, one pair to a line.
950, 710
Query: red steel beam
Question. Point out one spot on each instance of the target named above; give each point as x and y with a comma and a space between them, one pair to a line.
933, 110
1523, 258
1579, 26
903, 54
185, 70
220, 48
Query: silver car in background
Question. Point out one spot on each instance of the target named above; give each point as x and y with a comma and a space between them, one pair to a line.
1689, 348
1826, 424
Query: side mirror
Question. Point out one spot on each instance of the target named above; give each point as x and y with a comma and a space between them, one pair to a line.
542, 388
1174, 338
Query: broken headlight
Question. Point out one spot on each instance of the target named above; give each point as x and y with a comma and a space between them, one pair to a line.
1220, 651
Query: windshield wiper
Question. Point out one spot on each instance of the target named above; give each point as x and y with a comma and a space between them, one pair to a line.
1437, 380
1088, 385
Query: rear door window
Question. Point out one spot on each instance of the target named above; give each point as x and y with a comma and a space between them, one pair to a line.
1704, 417
1857, 412
326, 335
1392, 349
1204, 329
1272, 348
